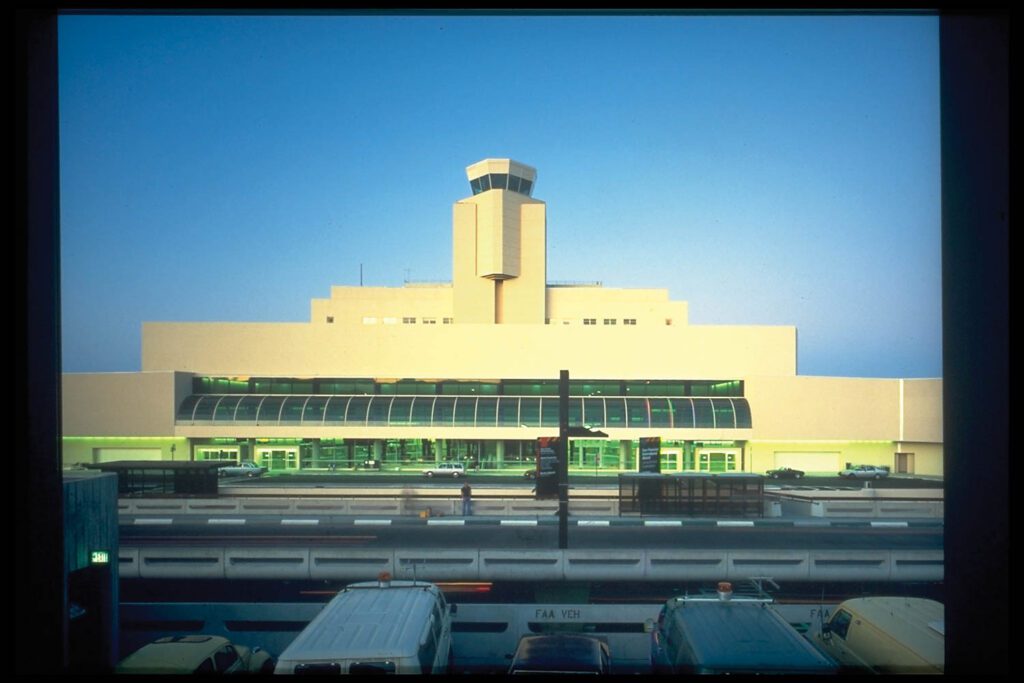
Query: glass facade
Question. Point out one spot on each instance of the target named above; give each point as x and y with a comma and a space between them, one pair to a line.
495, 387
379, 410
586, 455
501, 181
405, 404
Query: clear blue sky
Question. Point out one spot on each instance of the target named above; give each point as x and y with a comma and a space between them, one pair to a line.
768, 170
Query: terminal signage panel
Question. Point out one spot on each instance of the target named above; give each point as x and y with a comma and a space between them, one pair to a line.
650, 454
548, 452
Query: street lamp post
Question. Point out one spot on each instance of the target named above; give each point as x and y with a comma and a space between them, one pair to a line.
563, 460
564, 432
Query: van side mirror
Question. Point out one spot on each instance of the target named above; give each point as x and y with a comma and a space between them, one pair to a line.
826, 630
453, 609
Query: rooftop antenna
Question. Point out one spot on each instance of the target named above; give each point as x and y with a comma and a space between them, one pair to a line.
360, 274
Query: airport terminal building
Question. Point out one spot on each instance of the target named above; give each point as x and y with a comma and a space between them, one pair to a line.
468, 371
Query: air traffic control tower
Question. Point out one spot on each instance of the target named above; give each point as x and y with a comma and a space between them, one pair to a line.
499, 242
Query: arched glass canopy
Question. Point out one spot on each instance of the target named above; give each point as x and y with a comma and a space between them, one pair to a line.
616, 412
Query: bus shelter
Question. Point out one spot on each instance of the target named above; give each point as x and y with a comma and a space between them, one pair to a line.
692, 494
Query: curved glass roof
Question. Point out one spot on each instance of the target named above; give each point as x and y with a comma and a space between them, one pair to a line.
364, 410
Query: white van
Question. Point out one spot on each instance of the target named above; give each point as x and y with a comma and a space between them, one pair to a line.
376, 627
887, 635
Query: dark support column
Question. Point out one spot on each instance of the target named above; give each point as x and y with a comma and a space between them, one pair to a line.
563, 460
40, 642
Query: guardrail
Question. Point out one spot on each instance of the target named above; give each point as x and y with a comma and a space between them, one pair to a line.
355, 564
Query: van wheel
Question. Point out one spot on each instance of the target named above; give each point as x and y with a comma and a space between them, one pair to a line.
455, 475
430, 474
799, 476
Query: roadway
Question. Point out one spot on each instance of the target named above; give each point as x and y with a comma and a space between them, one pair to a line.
531, 534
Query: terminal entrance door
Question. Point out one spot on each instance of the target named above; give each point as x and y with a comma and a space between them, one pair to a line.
217, 453
278, 457
905, 463
671, 460
718, 460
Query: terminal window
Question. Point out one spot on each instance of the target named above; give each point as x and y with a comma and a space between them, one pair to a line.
590, 321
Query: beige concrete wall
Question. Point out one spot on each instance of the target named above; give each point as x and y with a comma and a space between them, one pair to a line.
928, 457
464, 351
121, 404
353, 304
647, 306
523, 297
824, 408
472, 296
828, 456
82, 450
922, 410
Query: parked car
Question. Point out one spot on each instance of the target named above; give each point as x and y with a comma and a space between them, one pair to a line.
244, 469
376, 627
865, 472
196, 655
560, 654
730, 635
446, 469
887, 636
785, 473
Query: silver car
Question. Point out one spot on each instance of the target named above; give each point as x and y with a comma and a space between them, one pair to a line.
865, 472
446, 469
245, 469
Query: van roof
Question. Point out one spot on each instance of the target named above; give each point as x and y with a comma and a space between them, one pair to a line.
745, 636
367, 621
915, 622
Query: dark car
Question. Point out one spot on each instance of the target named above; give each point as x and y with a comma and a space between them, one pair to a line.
560, 654
785, 473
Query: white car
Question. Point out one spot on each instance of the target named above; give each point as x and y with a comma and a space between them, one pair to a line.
245, 469
196, 655
446, 469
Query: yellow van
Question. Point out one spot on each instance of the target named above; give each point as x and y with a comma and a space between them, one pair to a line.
887, 635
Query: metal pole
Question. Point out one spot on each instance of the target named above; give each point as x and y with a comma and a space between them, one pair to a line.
563, 460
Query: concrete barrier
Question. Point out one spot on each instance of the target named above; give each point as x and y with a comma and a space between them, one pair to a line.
917, 565
685, 565
850, 565
596, 565
128, 563
530, 565
266, 563
781, 565
350, 565
181, 563
437, 565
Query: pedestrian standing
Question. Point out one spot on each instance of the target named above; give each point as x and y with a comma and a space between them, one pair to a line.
467, 500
